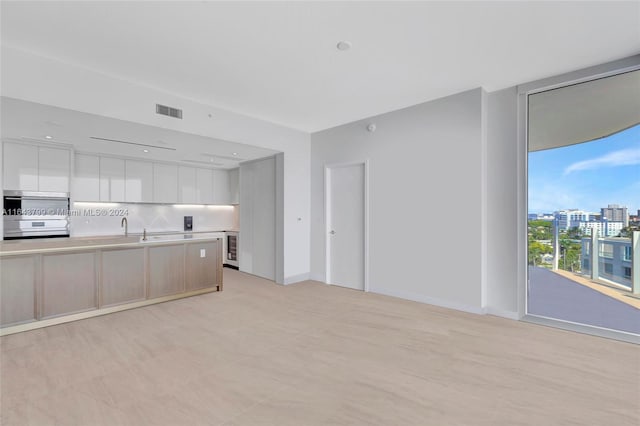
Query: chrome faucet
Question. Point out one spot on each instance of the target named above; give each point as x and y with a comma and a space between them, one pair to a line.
124, 223
144, 234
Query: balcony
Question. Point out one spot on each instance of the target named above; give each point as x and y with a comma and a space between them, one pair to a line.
607, 295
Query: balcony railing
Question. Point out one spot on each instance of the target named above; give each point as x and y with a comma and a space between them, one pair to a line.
612, 260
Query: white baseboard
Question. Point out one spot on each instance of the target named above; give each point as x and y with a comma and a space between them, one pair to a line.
504, 314
296, 278
429, 300
317, 277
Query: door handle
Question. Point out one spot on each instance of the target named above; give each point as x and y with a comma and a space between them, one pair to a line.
332, 232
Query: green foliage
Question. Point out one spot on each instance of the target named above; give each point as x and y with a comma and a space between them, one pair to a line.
627, 231
540, 230
574, 233
570, 252
536, 251
570, 248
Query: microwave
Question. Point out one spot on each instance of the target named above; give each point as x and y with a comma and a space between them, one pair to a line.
28, 214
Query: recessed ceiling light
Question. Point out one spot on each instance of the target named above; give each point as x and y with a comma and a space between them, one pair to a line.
344, 45
48, 137
235, 153
145, 150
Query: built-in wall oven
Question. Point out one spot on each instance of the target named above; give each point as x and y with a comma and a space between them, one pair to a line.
233, 241
35, 214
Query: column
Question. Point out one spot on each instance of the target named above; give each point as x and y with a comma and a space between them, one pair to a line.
635, 262
595, 254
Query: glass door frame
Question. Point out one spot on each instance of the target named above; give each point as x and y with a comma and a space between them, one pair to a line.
588, 74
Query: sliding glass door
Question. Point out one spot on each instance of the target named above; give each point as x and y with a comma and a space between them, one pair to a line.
583, 221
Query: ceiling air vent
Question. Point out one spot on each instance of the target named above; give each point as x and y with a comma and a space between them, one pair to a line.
168, 111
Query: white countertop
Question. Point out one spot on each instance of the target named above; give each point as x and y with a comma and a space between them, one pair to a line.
46, 245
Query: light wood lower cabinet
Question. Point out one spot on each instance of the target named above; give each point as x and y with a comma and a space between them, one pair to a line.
17, 290
123, 277
68, 283
204, 264
166, 270
48, 286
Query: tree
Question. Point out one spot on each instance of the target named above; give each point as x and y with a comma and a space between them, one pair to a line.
536, 251
574, 233
570, 255
540, 229
627, 231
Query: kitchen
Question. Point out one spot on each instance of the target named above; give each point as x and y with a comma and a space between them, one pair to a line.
103, 214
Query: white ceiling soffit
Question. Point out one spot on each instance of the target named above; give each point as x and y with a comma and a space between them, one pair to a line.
30, 121
584, 112
279, 61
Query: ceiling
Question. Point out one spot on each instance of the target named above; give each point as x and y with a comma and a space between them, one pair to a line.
278, 60
28, 121
583, 112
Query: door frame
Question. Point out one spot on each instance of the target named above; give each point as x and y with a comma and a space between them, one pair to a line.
327, 215
523, 91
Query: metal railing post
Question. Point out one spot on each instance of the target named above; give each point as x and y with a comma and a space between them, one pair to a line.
556, 244
635, 262
595, 255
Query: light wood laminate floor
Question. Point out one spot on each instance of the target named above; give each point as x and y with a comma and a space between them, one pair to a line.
312, 354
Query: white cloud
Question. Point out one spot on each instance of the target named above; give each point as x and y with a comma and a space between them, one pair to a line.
623, 157
550, 195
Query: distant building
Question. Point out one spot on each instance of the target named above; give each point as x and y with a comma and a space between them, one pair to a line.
541, 216
615, 213
604, 229
614, 260
547, 258
568, 219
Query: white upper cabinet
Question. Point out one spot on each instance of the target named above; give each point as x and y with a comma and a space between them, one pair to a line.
221, 192
86, 182
234, 186
138, 181
112, 177
165, 183
204, 185
54, 165
36, 168
187, 187
20, 167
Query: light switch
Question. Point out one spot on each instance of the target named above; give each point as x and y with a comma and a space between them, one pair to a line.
203, 252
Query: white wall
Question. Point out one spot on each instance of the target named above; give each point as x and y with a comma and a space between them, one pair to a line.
38, 79
502, 191
258, 218
153, 217
426, 195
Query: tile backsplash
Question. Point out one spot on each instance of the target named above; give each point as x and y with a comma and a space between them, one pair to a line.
90, 219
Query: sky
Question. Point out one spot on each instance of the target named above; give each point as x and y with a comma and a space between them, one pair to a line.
587, 176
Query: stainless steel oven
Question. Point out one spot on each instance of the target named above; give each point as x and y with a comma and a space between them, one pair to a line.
35, 214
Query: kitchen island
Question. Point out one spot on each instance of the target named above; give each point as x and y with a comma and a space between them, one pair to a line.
48, 282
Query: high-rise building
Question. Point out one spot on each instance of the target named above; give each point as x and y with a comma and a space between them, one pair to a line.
615, 213
608, 229
572, 218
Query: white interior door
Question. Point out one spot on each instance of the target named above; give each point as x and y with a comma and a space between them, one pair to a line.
346, 185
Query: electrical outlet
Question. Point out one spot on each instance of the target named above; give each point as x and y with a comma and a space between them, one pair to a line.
203, 252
